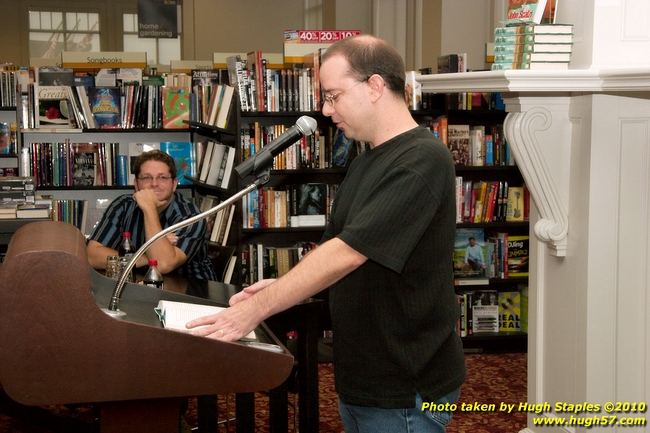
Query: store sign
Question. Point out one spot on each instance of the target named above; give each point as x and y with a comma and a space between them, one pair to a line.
157, 19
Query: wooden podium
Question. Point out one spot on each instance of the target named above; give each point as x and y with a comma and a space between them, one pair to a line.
57, 346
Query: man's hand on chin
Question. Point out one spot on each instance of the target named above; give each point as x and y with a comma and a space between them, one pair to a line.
147, 200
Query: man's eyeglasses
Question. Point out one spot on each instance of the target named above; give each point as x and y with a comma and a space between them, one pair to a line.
330, 99
159, 179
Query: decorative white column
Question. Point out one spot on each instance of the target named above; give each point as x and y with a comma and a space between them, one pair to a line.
581, 139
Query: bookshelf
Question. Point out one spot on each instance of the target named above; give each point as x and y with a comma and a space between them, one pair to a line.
289, 236
511, 341
284, 237
98, 197
137, 121
268, 236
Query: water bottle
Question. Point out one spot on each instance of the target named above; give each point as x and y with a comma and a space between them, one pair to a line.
153, 277
126, 248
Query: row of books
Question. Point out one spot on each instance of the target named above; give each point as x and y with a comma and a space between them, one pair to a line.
100, 164
533, 46
45, 207
260, 261
212, 105
298, 205
142, 101
71, 211
220, 223
463, 101
127, 107
262, 89
7, 85
490, 201
490, 311
478, 258
54, 83
477, 145
216, 164
326, 148
210, 96
75, 164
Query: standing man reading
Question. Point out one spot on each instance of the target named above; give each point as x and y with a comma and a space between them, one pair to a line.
155, 205
385, 255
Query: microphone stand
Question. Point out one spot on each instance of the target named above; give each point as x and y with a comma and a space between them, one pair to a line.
262, 172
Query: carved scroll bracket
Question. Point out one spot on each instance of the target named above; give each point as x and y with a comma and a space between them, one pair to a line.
538, 130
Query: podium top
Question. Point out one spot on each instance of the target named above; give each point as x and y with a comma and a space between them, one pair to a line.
57, 346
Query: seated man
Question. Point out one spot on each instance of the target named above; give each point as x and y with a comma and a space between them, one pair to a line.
154, 206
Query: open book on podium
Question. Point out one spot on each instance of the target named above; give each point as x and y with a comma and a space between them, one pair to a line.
174, 315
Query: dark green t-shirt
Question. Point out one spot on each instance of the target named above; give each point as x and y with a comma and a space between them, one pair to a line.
394, 317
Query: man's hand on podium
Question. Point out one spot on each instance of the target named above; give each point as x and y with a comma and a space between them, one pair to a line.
234, 322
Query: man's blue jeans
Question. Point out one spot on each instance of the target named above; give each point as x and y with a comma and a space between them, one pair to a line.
359, 419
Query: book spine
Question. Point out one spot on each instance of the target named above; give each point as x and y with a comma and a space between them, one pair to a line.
263, 82
512, 57
122, 170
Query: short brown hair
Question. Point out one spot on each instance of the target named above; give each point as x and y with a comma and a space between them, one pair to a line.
369, 55
154, 155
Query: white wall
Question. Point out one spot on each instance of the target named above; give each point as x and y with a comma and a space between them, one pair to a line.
466, 25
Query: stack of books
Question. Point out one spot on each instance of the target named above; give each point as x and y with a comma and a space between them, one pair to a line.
17, 190
533, 46
18, 199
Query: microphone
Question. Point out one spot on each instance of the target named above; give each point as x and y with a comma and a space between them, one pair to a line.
305, 126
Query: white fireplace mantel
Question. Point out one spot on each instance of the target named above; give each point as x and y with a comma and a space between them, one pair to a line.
539, 127
569, 80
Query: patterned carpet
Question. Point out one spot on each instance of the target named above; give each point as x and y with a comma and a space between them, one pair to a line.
491, 379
